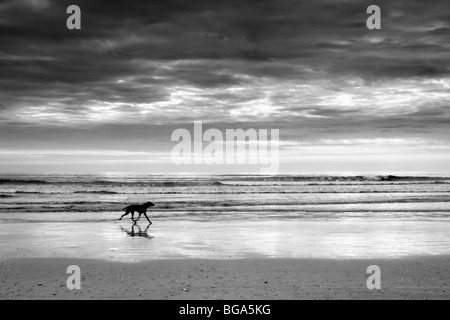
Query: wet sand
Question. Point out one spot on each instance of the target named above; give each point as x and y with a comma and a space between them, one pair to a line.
403, 278
119, 241
226, 260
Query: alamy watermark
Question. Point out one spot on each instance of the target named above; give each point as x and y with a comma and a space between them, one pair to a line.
234, 147
374, 280
74, 20
74, 280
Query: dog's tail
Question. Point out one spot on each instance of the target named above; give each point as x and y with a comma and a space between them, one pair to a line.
125, 208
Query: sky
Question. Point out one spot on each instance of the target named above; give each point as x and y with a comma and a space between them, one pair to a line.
107, 98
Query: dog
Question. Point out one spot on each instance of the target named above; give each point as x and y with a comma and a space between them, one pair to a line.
139, 208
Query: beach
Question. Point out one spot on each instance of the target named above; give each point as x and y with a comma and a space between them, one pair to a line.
276, 149
246, 260
225, 237
200, 279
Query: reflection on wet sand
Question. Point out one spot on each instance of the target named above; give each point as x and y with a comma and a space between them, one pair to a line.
136, 231
341, 239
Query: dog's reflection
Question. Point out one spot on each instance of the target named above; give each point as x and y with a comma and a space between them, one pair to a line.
136, 231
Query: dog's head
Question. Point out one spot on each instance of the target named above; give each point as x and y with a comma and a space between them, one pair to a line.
149, 204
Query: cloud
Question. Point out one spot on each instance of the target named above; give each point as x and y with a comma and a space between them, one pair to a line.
310, 68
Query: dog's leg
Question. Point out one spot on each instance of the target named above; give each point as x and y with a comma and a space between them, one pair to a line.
132, 217
139, 216
145, 214
123, 215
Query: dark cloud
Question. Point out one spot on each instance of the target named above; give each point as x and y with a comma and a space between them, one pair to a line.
174, 60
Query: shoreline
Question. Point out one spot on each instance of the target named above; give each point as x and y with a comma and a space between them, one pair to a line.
120, 241
419, 277
232, 260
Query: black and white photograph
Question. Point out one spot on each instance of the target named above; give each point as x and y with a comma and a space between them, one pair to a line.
217, 150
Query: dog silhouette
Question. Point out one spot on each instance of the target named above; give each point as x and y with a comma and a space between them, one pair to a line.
139, 208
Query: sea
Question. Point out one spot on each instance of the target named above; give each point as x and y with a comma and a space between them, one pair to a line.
102, 197
224, 216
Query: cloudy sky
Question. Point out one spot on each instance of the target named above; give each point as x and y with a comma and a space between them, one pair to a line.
107, 97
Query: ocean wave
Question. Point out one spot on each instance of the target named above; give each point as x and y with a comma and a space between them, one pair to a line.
15, 181
32, 192
209, 207
225, 180
99, 191
391, 215
222, 192
336, 183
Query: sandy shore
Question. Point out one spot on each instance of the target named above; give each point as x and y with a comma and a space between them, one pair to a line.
118, 241
226, 260
405, 278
